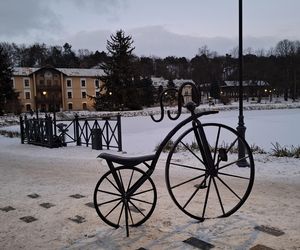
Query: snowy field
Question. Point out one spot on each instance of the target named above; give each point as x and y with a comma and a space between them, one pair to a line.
264, 127
55, 174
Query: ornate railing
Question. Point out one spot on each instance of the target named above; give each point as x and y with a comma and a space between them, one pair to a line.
100, 133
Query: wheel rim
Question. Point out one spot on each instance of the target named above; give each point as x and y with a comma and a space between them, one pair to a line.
112, 204
199, 192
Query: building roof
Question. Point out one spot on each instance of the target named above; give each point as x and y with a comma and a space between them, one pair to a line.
26, 71
245, 83
157, 81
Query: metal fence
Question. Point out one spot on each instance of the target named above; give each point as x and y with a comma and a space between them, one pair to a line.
100, 133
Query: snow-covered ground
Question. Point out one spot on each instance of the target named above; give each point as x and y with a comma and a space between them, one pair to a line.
55, 174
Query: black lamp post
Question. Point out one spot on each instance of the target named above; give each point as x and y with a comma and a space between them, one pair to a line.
241, 128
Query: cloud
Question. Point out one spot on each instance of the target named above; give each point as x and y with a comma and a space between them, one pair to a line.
157, 41
103, 6
91, 40
41, 21
150, 41
18, 18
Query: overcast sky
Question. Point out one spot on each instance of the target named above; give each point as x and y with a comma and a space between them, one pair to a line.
158, 27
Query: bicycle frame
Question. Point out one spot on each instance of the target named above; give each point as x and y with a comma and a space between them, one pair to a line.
128, 189
201, 139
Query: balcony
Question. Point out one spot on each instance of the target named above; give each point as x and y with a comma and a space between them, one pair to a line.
42, 87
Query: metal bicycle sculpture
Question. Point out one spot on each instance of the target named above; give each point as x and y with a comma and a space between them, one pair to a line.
201, 173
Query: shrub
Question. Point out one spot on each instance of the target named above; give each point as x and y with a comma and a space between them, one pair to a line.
280, 151
167, 147
257, 149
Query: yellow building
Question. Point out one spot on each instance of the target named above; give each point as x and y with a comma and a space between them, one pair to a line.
49, 88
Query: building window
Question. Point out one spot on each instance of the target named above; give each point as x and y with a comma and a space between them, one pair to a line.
26, 82
13, 83
70, 106
97, 84
83, 94
27, 95
49, 82
69, 93
84, 106
28, 107
69, 83
42, 82
83, 83
56, 82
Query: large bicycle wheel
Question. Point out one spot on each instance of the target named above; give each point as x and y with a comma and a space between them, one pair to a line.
197, 190
118, 208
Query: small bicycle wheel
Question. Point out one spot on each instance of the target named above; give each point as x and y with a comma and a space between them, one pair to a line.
115, 206
199, 192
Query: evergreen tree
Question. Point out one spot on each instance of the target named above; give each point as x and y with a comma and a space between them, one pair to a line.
119, 72
147, 93
215, 90
7, 93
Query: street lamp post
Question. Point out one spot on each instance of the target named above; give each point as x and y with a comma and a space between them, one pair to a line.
241, 128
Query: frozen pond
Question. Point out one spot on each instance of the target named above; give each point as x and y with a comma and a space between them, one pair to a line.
141, 134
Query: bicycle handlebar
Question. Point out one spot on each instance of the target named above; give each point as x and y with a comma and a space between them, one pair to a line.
190, 105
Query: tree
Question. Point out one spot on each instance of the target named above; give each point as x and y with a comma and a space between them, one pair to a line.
147, 93
70, 58
7, 93
119, 77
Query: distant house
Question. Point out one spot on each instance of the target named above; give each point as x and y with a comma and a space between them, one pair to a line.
230, 89
50, 88
186, 92
251, 88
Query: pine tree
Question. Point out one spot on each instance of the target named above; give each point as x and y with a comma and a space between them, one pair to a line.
7, 93
119, 73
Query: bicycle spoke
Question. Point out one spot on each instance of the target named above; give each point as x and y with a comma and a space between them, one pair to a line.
142, 192
121, 180
112, 209
219, 197
192, 152
112, 184
194, 193
130, 215
216, 146
233, 162
232, 144
206, 197
107, 202
136, 208
135, 199
195, 178
130, 180
236, 176
107, 192
229, 188
187, 166
120, 214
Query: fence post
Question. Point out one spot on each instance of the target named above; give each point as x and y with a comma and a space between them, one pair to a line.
22, 129
96, 135
76, 130
86, 123
119, 132
54, 122
27, 128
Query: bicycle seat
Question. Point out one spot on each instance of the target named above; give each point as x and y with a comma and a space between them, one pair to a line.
126, 160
